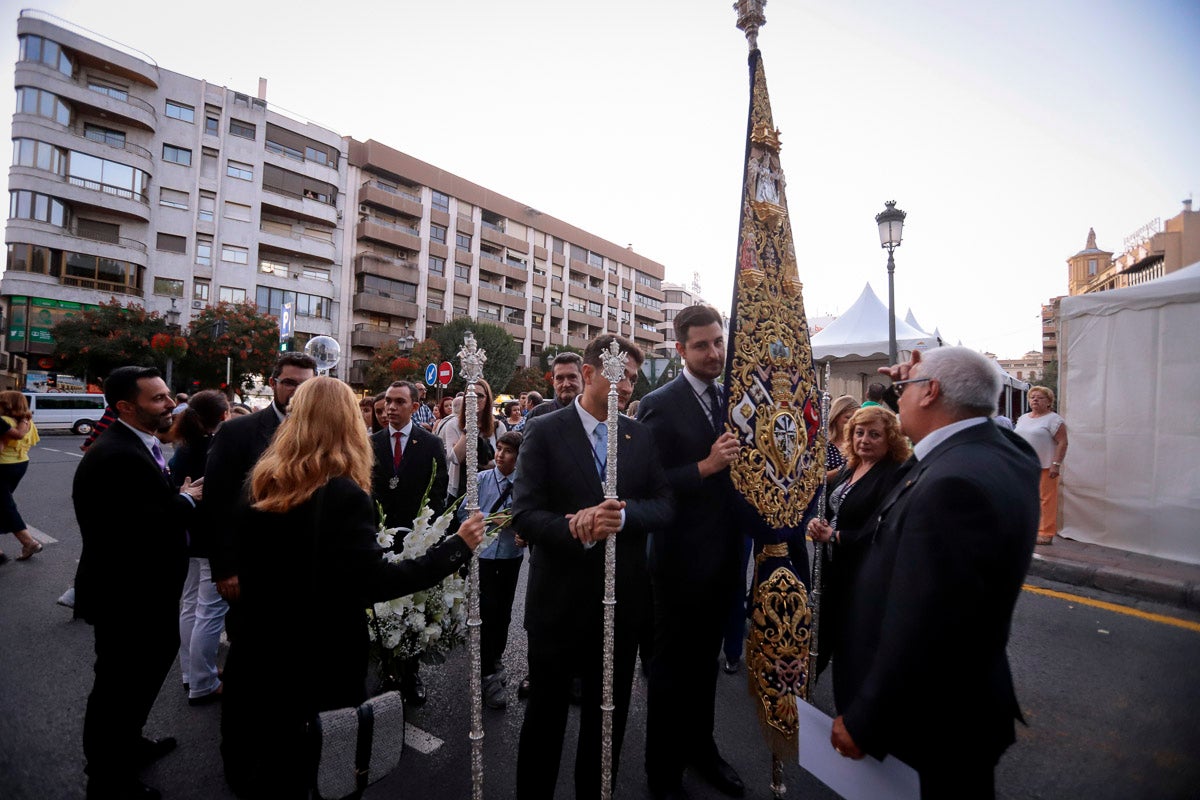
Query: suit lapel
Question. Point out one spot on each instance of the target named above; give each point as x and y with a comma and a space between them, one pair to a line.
135, 441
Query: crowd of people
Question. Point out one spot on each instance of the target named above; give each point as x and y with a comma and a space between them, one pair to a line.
931, 516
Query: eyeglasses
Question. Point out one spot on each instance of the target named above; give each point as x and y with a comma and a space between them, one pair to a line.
899, 386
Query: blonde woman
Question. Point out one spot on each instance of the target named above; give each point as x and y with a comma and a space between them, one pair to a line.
19, 436
839, 437
1046, 433
309, 567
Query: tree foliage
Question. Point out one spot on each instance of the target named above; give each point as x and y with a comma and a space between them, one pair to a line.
235, 331
427, 351
553, 350
92, 343
389, 363
501, 349
528, 379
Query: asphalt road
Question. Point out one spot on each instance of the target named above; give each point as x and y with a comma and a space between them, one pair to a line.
1109, 696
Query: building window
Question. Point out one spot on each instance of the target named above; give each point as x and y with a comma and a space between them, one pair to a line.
104, 135
212, 120
43, 156
270, 301
437, 265
441, 201
235, 255
172, 198
168, 286
31, 205
208, 162
242, 129
204, 245
232, 294
207, 207
437, 232
44, 104
435, 298
1093, 266
595, 259
171, 244
463, 241
237, 211
236, 169
45, 51
177, 155
462, 272
180, 112
200, 289
108, 89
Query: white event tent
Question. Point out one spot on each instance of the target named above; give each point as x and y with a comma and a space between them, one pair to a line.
1130, 390
856, 344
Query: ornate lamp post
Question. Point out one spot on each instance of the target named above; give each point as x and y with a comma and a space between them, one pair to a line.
891, 227
172, 316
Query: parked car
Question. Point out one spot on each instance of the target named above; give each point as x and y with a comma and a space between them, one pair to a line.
63, 411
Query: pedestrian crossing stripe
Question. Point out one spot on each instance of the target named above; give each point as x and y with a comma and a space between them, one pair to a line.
44, 538
421, 741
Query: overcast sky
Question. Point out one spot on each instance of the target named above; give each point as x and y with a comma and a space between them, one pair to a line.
1005, 130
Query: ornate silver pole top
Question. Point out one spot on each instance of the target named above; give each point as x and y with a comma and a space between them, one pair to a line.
471, 359
613, 364
750, 19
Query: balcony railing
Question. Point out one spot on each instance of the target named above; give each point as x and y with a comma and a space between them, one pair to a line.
123, 96
118, 191
393, 225
103, 286
392, 190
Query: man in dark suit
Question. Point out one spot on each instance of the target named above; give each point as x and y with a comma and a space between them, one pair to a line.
926, 670
407, 458
566, 372
560, 509
693, 563
132, 520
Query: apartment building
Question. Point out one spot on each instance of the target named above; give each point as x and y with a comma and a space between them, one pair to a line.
135, 182
429, 246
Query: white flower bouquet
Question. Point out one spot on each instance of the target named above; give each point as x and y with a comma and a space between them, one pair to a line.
430, 623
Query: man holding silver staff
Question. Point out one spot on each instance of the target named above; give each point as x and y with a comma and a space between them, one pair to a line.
694, 562
560, 509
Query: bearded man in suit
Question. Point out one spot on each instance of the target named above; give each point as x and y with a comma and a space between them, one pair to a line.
560, 509
133, 522
694, 563
926, 674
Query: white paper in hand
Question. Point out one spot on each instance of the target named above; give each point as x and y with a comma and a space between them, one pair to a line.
865, 779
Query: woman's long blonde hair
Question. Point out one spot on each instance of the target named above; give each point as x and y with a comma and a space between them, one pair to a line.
321, 438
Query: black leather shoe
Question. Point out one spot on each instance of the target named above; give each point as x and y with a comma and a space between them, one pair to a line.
723, 777
129, 789
732, 666
412, 689
150, 750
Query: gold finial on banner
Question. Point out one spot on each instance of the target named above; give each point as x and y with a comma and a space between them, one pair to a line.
750, 19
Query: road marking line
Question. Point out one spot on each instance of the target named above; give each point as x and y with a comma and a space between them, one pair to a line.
62, 452
44, 538
1132, 612
419, 740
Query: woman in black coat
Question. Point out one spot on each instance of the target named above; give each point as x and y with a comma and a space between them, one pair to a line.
877, 449
309, 568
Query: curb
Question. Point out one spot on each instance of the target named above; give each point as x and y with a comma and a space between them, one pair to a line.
1170, 591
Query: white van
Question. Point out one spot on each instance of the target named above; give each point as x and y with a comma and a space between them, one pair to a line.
66, 411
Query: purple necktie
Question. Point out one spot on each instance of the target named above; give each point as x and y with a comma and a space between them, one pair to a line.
158, 459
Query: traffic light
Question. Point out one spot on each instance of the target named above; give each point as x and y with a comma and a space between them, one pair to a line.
285, 345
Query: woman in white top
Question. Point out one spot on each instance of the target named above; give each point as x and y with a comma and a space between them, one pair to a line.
1046, 432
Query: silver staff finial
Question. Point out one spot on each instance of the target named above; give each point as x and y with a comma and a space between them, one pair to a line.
471, 359
613, 361
750, 19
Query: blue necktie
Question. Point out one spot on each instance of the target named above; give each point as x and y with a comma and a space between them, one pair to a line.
714, 409
600, 448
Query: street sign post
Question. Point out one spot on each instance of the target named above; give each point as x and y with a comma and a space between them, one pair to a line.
431, 372
285, 326
445, 373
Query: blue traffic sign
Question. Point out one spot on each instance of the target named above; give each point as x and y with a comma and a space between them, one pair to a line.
431, 374
285, 322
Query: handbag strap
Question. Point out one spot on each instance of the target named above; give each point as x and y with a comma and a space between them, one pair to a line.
362, 752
